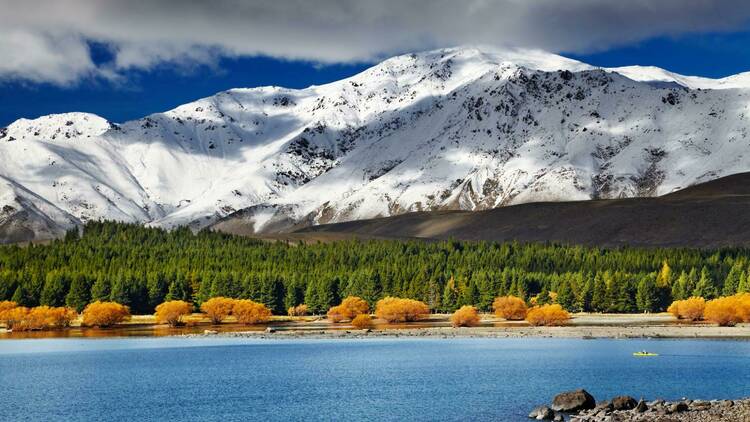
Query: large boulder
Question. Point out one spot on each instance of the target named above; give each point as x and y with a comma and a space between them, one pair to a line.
624, 403
573, 401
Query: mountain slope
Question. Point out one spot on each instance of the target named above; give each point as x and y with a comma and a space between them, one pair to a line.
462, 128
712, 214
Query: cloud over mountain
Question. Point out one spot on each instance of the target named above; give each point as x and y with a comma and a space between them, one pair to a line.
49, 41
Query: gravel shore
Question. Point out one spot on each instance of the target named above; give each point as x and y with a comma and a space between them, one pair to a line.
661, 411
580, 406
572, 331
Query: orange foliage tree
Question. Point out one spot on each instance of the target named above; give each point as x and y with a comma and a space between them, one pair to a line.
105, 314
348, 309
299, 310
548, 315
393, 309
510, 308
249, 312
744, 306
45, 317
13, 318
218, 308
725, 311
171, 312
6, 305
466, 316
691, 309
362, 321
39, 318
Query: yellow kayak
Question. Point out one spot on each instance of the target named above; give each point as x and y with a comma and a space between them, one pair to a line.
639, 354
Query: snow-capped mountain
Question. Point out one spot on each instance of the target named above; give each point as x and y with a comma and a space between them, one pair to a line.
461, 128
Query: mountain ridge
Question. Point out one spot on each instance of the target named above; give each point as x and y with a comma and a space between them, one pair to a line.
713, 214
461, 128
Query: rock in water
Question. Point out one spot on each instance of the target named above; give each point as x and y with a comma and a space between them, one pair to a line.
542, 413
573, 401
624, 403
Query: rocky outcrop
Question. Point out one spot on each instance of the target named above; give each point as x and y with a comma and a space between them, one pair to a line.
573, 401
626, 409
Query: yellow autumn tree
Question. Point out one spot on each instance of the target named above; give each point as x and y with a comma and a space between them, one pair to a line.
6, 305
105, 314
691, 309
547, 315
510, 307
250, 312
726, 311
394, 309
348, 309
362, 321
13, 318
465, 316
46, 317
171, 312
217, 309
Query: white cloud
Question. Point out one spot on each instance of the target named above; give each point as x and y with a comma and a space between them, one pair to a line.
46, 40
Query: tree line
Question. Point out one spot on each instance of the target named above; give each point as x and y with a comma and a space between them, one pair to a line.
142, 267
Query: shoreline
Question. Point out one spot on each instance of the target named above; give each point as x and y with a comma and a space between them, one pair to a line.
582, 326
573, 332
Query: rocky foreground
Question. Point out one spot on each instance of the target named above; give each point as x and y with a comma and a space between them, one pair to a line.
580, 406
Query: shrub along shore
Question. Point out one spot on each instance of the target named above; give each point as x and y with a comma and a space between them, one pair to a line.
403, 317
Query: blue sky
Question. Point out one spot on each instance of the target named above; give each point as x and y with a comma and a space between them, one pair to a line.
126, 62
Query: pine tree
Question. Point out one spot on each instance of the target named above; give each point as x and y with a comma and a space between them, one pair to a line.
24, 297
79, 295
450, 296
599, 294
294, 295
543, 298
55, 288
179, 289
584, 295
692, 281
272, 295
705, 287
469, 294
680, 287
101, 288
732, 282
364, 284
157, 288
8, 284
744, 284
565, 296
119, 292
646, 296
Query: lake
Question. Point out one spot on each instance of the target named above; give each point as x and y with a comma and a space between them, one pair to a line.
229, 379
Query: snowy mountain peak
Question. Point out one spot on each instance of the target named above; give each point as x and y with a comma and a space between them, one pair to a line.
459, 128
56, 127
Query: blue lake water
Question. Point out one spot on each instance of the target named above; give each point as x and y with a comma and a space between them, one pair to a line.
378, 379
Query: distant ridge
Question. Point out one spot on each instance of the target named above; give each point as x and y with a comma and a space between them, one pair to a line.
712, 214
